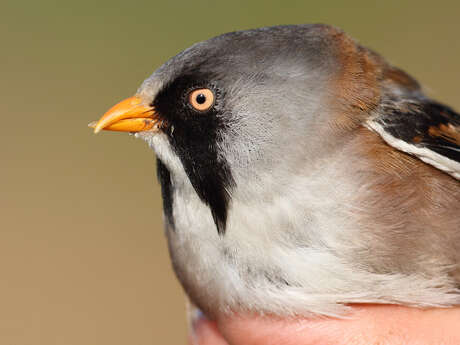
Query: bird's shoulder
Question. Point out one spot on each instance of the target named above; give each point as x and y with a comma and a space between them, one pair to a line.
423, 128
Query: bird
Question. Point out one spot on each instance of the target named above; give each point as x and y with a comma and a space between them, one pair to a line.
300, 173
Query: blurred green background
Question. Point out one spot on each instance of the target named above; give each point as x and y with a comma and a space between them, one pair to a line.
83, 258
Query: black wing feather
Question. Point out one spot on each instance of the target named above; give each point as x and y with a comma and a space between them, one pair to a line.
422, 124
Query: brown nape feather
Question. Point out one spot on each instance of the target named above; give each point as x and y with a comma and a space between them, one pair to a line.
413, 210
355, 89
395, 77
361, 81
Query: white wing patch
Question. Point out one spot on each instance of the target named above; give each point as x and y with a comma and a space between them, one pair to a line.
428, 156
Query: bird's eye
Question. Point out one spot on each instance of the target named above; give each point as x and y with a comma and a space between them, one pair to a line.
201, 99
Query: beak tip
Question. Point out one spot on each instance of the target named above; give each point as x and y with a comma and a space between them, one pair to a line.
94, 125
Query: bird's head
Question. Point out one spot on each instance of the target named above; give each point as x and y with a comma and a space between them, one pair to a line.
235, 115
296, 141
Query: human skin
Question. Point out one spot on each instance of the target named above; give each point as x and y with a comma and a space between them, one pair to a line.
365, 325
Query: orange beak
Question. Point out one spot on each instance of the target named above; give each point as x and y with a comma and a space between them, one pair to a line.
130, 115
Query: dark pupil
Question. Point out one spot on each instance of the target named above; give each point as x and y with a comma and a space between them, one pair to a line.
200, 99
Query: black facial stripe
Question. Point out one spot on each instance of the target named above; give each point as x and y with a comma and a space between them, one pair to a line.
164, 178
194, 136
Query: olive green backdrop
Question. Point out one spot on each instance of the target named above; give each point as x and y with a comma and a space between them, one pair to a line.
83, 258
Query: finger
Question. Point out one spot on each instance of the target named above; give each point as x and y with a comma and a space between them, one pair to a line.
202, 331
261, 330
205, 332
370, 324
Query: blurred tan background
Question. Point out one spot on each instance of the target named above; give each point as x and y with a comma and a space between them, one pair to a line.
83, 258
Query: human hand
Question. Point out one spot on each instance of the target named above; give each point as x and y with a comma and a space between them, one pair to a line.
366, 325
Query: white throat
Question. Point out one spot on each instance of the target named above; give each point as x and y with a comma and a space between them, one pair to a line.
275, 254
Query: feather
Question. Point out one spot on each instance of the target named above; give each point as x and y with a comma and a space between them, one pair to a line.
425, 129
